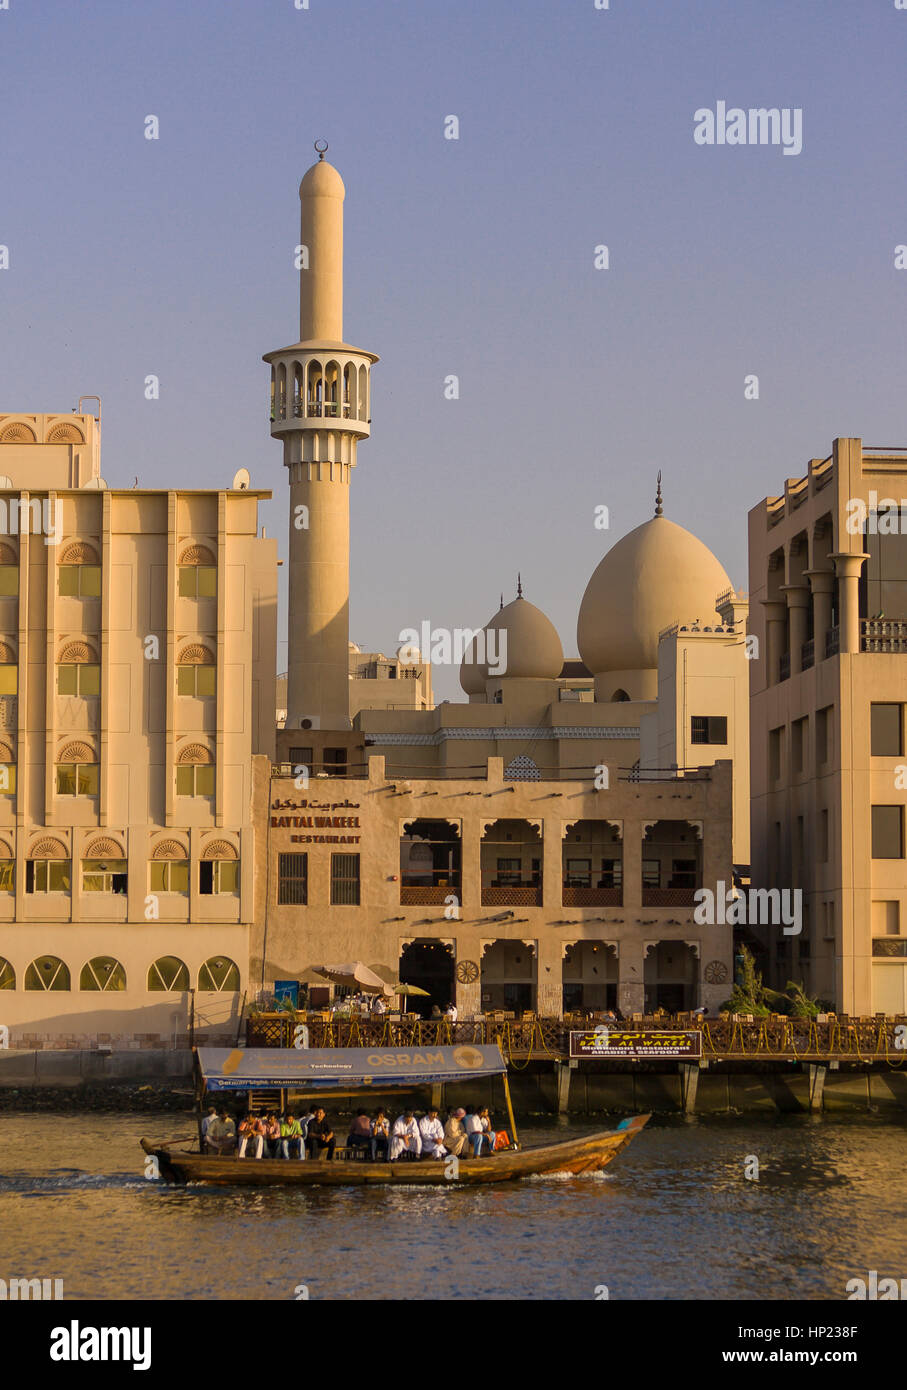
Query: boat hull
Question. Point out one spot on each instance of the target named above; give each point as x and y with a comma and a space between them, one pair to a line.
585, 1155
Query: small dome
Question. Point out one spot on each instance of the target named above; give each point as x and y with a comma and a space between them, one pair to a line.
532, 650
657, 575
322, 181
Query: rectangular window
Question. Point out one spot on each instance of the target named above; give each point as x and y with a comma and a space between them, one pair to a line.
9, 581
169, 876
302, 757
293, 879
612, 874
510, 873
104, 876
218, 876
77, 779
9, 679
823, 731
335, 762
7, 875
683, 873
195, 779
885, 739
200, 680
7, 779
651, 873
708, 728
47, 876
79, 581
345, 879
887, 832
798, 744
579, 873
83, 679
197, 581
774, 754
823, 837
889, 948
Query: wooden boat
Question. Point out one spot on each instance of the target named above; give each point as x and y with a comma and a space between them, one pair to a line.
588, 1154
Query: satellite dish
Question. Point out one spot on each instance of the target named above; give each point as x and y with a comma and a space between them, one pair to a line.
6, 484
241, 479
97, 482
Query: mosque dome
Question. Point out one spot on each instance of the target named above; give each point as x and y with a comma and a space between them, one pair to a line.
533, 649
657, 575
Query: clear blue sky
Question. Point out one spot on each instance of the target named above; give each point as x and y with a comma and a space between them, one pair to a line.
474, 257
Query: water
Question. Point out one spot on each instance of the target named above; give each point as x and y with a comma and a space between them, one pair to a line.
672, 1218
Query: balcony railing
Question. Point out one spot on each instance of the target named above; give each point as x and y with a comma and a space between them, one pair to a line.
512, 895
417, 894
883, 635
808, 655
832, 641
576, 896
668, 897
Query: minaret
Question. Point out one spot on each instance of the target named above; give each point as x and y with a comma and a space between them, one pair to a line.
320, 409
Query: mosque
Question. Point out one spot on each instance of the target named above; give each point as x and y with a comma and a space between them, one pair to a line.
180, 829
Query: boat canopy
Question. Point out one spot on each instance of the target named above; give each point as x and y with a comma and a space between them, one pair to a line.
344, 1068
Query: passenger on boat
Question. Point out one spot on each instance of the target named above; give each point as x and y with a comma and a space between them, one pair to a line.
251, 1135
405, 1138
321, 1136
360, 1135
380, 1133
431, 1132
211, 1115
291, 1137
454, 1133
488, 1134
221, 1136
272, 1136
473, 1126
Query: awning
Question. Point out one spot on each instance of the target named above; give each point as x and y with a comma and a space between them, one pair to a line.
344, 1068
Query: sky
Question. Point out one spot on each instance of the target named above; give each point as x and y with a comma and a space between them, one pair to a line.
472, 257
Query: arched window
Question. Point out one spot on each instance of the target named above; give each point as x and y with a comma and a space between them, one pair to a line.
77, 770
167, 975
169, 868
78, 671
103, 973
7, 771
196, 673
47, 973
104, 870
218, 871
218, 976
79, 571
197, 574
195, 771
47, 869
9, 670
619, 696
9, 571
7, 975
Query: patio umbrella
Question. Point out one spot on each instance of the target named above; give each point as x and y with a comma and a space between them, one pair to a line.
356, 976
399, 988
312, 976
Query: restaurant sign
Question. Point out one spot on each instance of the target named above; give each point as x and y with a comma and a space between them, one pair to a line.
634, 1044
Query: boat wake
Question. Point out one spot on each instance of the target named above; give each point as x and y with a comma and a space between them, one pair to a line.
65, 1180
595, 1176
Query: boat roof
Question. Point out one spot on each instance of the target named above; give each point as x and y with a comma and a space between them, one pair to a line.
345, 1068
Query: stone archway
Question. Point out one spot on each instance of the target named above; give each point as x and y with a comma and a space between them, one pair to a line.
428, 963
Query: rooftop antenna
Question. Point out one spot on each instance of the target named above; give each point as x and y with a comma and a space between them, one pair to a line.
659, 510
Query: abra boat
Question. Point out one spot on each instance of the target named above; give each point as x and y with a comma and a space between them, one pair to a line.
288, 1073
587, 1154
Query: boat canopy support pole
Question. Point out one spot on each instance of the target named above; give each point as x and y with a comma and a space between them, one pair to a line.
513, 1134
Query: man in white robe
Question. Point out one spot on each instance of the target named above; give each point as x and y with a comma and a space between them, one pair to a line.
405, 1137
431, 1132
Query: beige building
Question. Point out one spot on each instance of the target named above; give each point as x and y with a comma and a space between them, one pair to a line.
137, 638
828, 582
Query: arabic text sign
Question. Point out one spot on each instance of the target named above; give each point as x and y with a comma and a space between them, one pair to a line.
635, 1044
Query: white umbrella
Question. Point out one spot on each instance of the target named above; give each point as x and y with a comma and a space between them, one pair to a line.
356, 976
